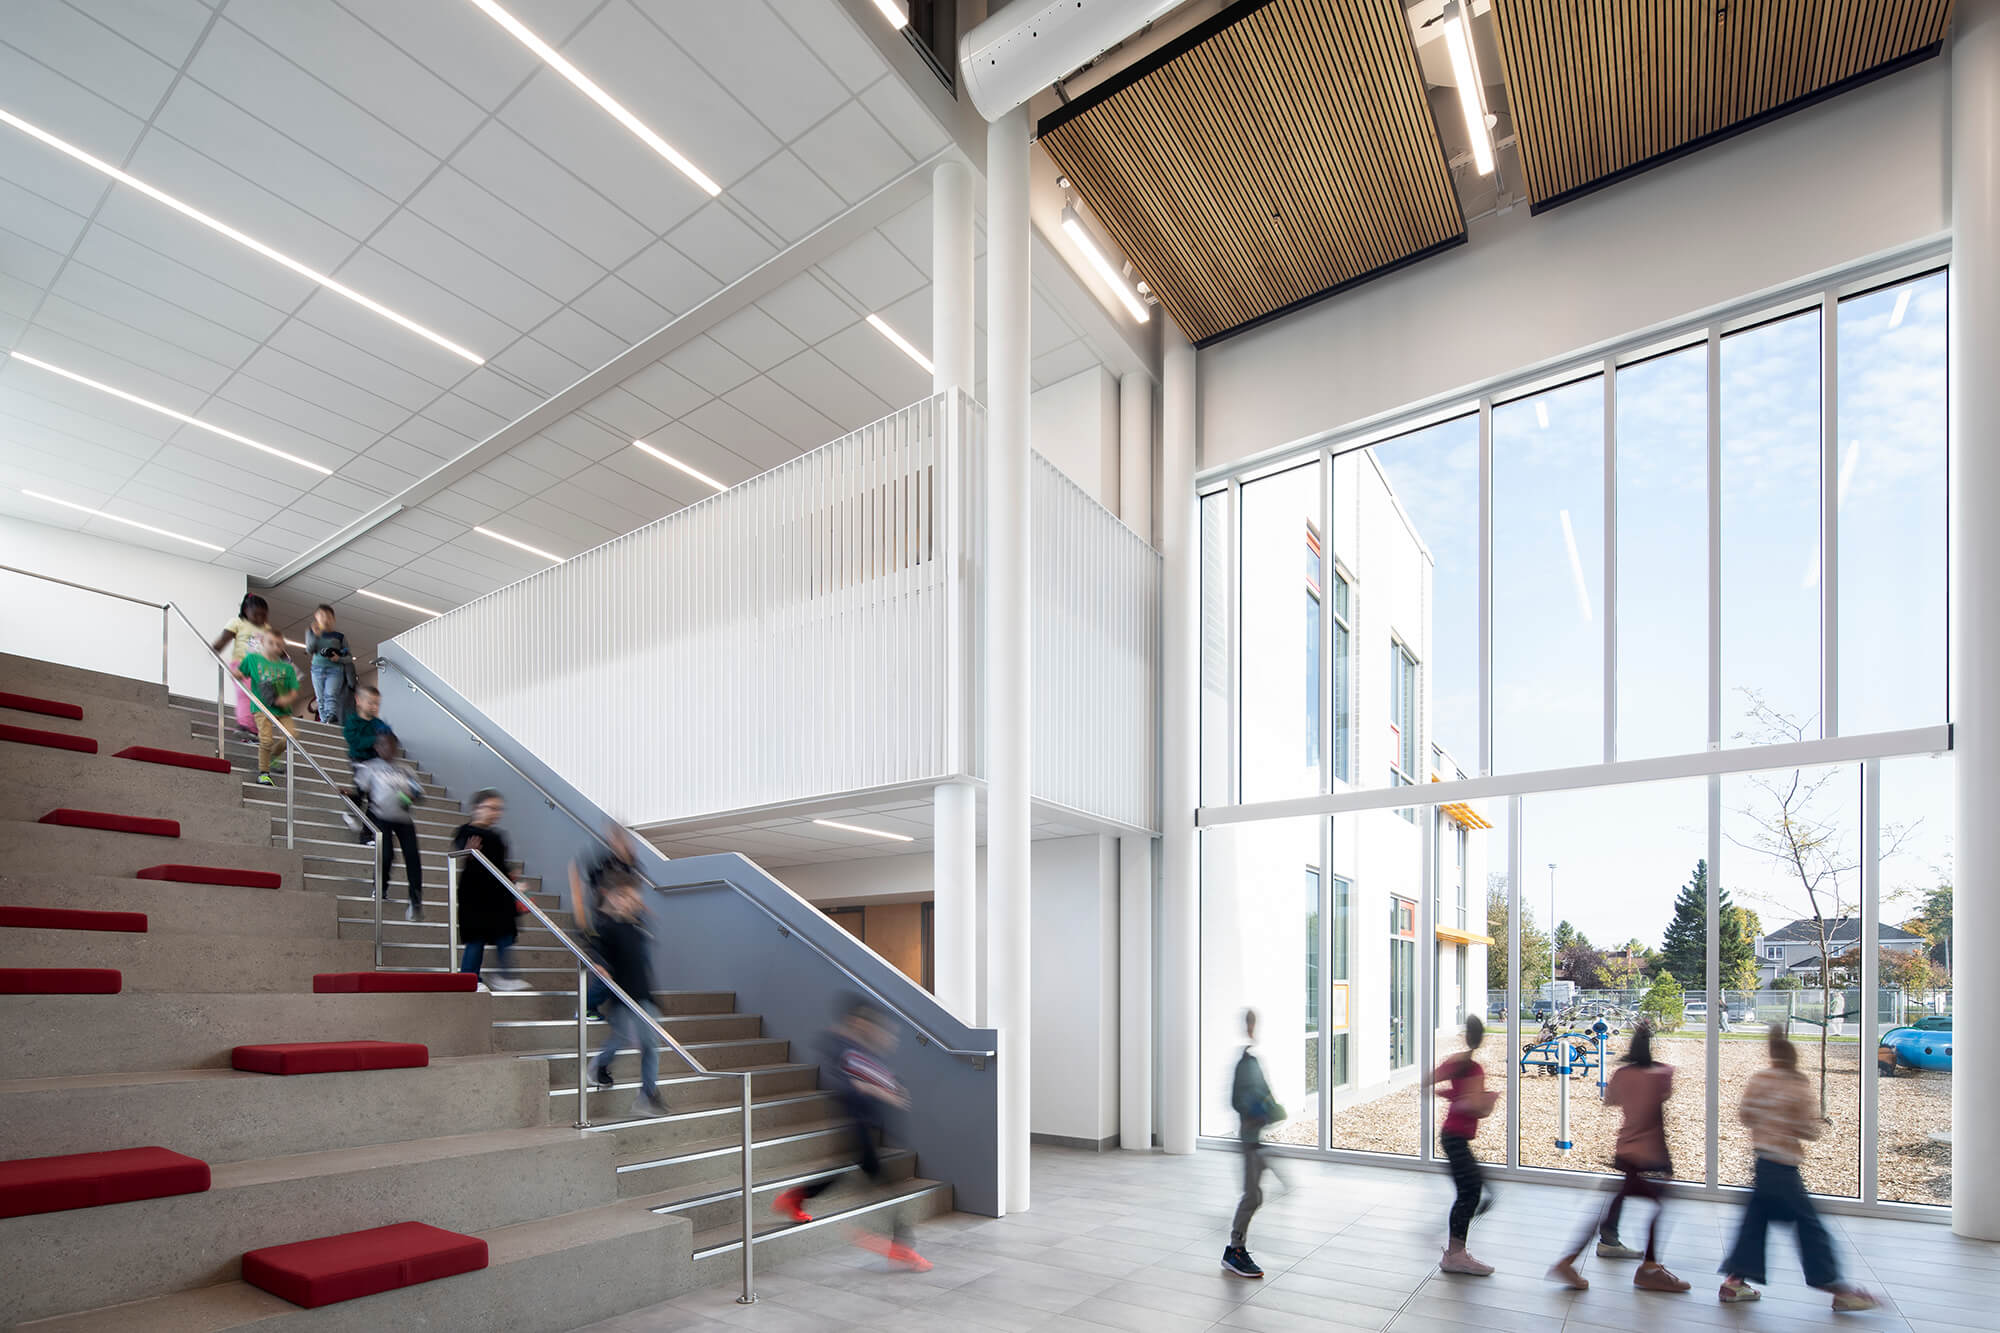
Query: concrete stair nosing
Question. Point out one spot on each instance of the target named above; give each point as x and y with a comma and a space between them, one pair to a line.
718, 1249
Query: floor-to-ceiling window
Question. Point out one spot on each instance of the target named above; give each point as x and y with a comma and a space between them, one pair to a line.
1546, 644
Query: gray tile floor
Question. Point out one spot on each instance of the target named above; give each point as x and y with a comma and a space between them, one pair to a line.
1128, 1241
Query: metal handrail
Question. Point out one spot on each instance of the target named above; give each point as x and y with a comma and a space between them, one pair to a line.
592, 829
587, 966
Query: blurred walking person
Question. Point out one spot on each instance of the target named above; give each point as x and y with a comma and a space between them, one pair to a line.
1639, 1089
1461, 1079
361, 728
1250, 1097
391, 790
860, 1044
487, 910
276, 684
253, 617
332, 666
1779, 1107
614, 864
625, 953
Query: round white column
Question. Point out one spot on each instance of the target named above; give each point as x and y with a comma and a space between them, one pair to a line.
1008, 720
1135, 854
951, 278
1180, 883
1975, 609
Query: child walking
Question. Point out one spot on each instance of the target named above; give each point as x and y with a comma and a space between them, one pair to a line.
1462, 1080
253, 616
1778, 1108
486, 909
332, 665
391, 790
361, 728
625, 948
1250, 1097
1640, 1089
276, 682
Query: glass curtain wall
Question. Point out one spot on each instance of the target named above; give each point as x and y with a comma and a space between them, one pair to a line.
1638, 573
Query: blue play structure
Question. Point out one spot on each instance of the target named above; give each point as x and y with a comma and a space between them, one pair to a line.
1925, 1046
1572, 1053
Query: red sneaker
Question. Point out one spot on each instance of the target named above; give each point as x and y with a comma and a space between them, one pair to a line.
909, 1258
792, 1204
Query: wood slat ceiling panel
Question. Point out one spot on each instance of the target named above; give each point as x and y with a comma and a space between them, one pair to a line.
1602, 90
1283, 151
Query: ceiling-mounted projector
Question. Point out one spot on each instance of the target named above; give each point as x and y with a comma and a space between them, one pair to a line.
1031, 43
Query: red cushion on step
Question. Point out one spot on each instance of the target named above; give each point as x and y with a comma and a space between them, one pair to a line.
387, 983
92, 1179
112, 823
242, 879
71, 918
55, 740
330, 1057
60, 981
28, 703
362, 1263
152, 754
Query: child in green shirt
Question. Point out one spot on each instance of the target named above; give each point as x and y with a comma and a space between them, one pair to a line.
275, 682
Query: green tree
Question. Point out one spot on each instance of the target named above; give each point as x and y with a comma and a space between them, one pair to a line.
1788, 982
1534, 942
1684, 948
1740, 929
1665, 1002
1933, 922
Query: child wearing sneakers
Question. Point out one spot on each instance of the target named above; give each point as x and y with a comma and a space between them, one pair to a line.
391, 790
1462, 1080
1250, 1097
1778, 1108
360, 728
276, 685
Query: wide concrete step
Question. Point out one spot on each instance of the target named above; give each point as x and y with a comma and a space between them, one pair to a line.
717, 1204
224, 1115
719, 1158
113, 724
431, 927
65, 777
47, 848
179, 909
714, 1056
772, 1112
694, 1031
718, 1249
313, 803
435, 957
359, 907
685, 1093
468, 1182
543, 1276
53, 1035
188, 963
328, 748
109, 789
49, 680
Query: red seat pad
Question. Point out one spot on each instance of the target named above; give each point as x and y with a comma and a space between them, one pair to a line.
242, 879
362, 1263
152, 754
382, 983
28, 703
330, 1057
112, 823
91, 1179
55, 740
61, 981
71, 918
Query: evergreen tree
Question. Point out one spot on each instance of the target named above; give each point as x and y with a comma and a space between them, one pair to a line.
1684, 949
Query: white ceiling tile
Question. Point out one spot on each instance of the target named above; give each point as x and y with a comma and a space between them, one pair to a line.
475, 55
486, 489
462, 508
910, 232
852, 152
1047, 329
133, 264
345, 490
369, 71
757, 338
808, 309
830, 33
372, 472
67, 335
33, 166
829, 389
512, 169
166, 28
896, 107
787, 197
466, 418
358, 363
498, 395
24, 411
403, 456
698, 451
586, 437
32, 265
669, 278
1072, 358
609, 497
578, 338
616, 306
630, 416
570, 129
868, 357
536, 364
174, 324
720, 242
567, 531
740, 435
18, 299
873, 272
80, 458
504, 235
433, 437
250, 405
776, 408
92, 54
555, 459
308, 382
421, 365
523, 477
762, 63
708, 365
430, 254
659, 386
188, 243
37, 219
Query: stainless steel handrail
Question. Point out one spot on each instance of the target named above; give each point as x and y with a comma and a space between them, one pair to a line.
586, 967
591, 829
292, 742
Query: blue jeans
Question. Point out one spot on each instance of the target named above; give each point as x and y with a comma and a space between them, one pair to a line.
1777, 1194
475, 955
629, 1030
329, 687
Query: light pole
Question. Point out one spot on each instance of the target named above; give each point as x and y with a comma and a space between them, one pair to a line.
1552, 939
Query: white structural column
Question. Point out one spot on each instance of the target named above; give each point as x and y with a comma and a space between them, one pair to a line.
1135, 855
1180, 890
1975, 605
955, 805
1008, 977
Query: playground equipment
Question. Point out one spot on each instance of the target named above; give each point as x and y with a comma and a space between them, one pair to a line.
1926, 1046
1568, 1054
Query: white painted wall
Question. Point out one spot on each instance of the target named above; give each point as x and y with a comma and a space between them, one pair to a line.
1854, 177
1074, 946
1074, 424
81, 629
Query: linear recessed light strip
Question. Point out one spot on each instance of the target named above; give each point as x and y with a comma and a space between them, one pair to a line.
166, 411
671, 461
526, 36
895, 11
251, 242
1471, 96
1073, 227
128, 522
397, 601
520, 545
909, 349
871, 832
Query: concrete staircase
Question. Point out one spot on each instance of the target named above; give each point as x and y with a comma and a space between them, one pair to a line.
580, 1224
